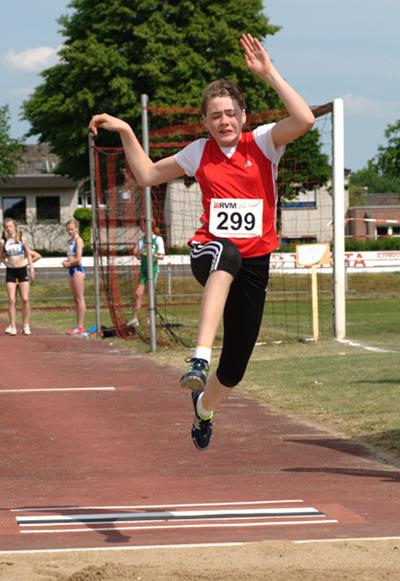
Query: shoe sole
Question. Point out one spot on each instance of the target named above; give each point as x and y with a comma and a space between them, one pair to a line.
193, 383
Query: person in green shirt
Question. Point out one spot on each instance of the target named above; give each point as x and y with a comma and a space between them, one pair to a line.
158, 253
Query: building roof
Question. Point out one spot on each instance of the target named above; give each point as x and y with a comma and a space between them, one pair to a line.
36, 159
376, 199
35, 170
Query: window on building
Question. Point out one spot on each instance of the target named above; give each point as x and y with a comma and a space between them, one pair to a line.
14, 207
84, 201
287, 240
301, 200
48, 208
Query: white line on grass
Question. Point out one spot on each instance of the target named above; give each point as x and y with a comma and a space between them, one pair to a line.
366, 347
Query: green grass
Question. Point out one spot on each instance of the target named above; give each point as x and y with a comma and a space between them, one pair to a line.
346, 389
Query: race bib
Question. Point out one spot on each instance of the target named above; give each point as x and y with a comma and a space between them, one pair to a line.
233, 218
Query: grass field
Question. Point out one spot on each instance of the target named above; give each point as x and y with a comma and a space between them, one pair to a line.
345, 387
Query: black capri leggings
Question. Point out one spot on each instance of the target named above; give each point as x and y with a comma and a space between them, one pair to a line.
244, 306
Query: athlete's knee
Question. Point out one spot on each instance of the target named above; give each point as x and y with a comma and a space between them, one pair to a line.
230, 260
229, 378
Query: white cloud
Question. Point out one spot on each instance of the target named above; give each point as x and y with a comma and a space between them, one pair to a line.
363, 106
32, 59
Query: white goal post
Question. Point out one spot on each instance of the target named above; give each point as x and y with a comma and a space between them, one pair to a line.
338, 192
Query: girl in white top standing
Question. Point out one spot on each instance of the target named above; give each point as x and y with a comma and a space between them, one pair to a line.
76, 273
17, 257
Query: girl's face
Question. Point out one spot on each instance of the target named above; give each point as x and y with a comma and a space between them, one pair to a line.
71, 229
224, 120
9, 229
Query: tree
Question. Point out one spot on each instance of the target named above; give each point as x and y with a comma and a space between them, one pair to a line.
382, 173
305, 166
9, 148
388, 158
112, 54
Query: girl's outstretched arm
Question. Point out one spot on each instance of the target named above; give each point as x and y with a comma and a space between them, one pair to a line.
146, 172
301, 118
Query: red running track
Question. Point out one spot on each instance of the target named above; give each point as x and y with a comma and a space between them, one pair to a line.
105, 459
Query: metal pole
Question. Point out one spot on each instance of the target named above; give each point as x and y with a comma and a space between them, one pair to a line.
339, 273
95, 237
149, 231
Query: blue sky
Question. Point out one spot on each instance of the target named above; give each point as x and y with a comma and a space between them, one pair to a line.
325, 49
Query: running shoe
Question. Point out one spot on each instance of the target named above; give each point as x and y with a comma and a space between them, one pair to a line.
77, 331
195, 377
201, 429
10, 330
26, 330
133, 323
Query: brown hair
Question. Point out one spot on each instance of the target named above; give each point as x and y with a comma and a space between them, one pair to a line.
74, 222
18, 232
155, 229
222, 88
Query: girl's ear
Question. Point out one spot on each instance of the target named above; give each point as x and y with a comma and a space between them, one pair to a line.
244, 116
205, 122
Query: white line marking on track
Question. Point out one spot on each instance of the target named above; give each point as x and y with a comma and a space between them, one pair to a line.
193, 526
238, 503
93, 518
347, 540
130, 548
183, 546
56, 389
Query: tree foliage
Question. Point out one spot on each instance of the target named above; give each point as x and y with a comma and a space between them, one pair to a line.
388, 159
169, 50
120, 49
9, 148
305, 166
382, 173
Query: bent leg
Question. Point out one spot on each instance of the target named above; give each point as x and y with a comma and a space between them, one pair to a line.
212, 306
242, 319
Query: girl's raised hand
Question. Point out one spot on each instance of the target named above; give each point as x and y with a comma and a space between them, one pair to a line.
106, 121
255, 55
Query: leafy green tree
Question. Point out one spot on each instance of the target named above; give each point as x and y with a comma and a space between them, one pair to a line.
120, 49
372, 179
84, 217
9, 148
388, 159
304, 166
382, 173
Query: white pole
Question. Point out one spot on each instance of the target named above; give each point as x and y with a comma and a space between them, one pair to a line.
339, 273
149, 232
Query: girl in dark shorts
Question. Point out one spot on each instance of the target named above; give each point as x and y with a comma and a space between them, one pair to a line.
17, 257
237, 174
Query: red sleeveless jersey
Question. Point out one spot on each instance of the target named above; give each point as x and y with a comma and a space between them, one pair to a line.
248, 174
